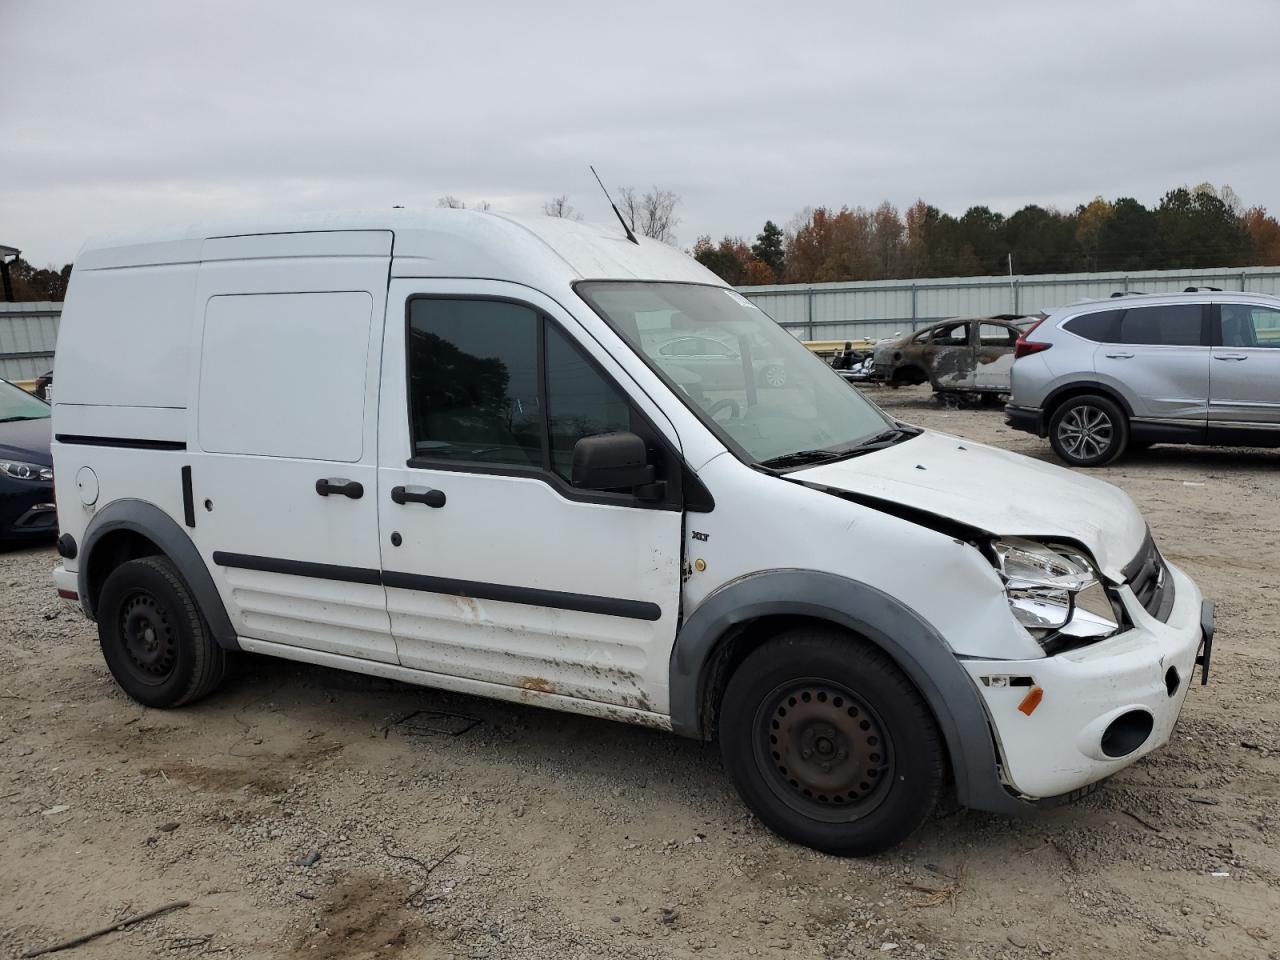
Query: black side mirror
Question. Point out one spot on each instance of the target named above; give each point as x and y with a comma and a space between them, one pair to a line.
612, 461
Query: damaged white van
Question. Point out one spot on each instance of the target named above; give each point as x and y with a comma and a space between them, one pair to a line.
538, 460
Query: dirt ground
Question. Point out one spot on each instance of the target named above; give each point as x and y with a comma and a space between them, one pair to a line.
299, 819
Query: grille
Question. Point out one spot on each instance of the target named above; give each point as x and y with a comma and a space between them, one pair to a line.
1148, 577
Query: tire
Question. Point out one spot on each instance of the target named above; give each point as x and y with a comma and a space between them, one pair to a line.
812, 693
1088, 431
154, 638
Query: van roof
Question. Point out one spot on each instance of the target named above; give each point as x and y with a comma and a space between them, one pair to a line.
439, 242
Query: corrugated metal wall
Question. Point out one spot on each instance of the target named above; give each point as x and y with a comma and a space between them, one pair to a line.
28, 332
880, 308
811, 311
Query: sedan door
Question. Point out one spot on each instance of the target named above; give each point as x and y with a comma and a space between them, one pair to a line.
1244, 379
993, 353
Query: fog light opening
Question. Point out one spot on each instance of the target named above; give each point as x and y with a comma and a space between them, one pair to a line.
1172, 681
1126, 733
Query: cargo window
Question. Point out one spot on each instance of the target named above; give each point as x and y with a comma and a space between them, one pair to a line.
475, 393
1172, 325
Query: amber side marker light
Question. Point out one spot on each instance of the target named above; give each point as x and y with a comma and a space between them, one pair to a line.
1031, 700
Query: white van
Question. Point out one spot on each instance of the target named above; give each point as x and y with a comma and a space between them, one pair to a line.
450, 448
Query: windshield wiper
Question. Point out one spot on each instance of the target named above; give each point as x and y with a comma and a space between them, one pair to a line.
878, 441
801, 456
16, 419
886, 438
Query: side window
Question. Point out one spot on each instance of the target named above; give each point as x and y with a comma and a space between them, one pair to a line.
473, 381
580, 401
1100, 327
476, 393
955, 335
1244, 325
996, 335
1173, 325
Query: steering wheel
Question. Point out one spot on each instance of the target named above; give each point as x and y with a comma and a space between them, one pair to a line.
728, 403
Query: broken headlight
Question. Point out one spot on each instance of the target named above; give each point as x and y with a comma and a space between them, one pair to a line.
1054, 592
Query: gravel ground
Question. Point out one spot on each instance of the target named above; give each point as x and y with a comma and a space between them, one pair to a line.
300, 820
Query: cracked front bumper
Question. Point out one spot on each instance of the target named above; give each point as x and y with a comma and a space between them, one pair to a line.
1091, 718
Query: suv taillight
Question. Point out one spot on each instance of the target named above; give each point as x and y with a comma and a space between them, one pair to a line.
1023, 347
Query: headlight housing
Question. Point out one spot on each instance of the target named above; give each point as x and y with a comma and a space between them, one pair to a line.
35, 472
1055, 592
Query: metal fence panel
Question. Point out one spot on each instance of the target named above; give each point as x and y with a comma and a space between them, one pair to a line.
880, 308
28, 333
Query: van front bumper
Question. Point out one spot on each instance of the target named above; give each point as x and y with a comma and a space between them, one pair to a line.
1100, 707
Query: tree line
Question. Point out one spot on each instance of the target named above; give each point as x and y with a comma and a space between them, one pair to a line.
1190, 228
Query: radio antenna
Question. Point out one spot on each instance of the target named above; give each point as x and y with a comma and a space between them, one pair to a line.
618, 213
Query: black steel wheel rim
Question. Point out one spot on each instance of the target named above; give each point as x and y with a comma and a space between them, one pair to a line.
150, 647
823, 750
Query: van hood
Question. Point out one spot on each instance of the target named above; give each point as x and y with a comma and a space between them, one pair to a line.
1002, 493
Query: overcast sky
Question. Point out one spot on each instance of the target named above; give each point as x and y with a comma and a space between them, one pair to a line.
118, 115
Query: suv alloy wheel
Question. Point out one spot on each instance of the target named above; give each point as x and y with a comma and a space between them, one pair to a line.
1088, 431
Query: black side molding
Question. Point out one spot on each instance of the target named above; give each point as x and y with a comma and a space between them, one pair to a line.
582, 602
297, 568
133, 443
188, 499
530, 596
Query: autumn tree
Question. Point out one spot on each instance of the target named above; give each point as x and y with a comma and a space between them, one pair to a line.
36, 283
732, 261
1264, 235
769, 248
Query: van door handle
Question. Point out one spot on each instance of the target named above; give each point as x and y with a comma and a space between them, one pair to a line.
347, 488
432, 498
1231, 356
1120, 356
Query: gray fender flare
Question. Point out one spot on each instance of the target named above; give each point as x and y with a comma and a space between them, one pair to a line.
914, 644
161, 529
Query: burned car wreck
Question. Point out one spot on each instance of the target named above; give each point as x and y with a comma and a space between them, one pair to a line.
960, 356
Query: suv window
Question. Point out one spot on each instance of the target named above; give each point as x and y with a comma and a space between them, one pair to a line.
1172, 325
1246, 325
1100, 327
996, 335
475, 393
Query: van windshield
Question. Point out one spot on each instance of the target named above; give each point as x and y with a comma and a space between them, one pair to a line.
17, 404
748, 379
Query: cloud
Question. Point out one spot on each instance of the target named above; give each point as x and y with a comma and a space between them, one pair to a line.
119, 115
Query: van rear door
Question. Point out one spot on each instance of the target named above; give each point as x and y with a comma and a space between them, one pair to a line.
284, 474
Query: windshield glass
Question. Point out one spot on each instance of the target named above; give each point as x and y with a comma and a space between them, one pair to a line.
17, 404
754, 381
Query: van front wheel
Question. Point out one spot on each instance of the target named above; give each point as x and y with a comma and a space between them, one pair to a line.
829, 743
154, 639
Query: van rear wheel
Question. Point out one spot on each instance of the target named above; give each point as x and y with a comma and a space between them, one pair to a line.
154, 639
829, 743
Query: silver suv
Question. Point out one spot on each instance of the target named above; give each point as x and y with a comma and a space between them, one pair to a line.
1104, 376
